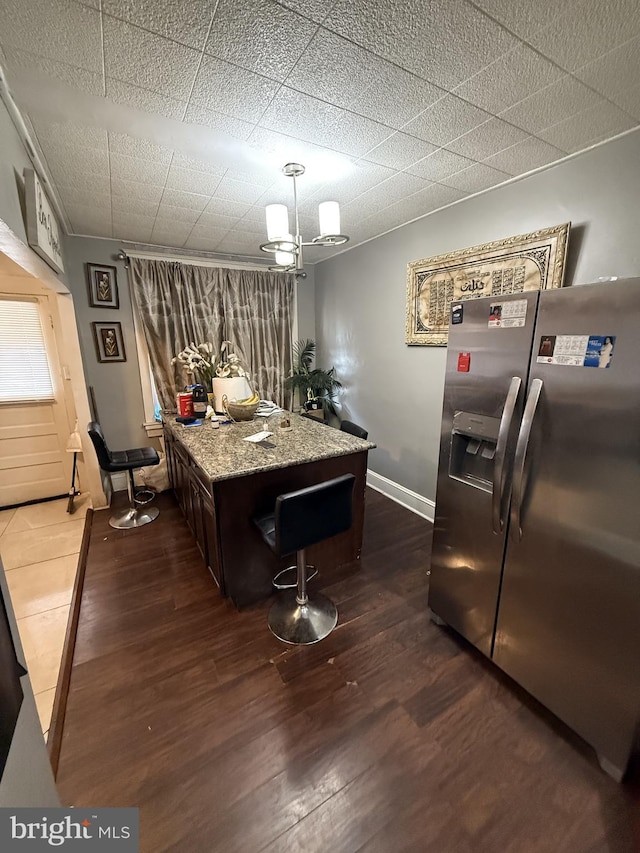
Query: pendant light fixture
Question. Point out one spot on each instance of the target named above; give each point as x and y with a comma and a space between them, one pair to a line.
287, 246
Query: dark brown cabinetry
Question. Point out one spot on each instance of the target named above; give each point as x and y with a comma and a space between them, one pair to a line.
194, 496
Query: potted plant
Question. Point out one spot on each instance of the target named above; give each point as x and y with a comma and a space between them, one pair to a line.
220, 374
316, 387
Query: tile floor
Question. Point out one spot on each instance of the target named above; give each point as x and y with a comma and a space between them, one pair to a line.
39, 545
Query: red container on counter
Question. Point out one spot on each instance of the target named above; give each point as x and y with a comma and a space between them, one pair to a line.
185, 404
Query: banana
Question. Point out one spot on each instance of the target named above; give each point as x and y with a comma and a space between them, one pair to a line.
248, 401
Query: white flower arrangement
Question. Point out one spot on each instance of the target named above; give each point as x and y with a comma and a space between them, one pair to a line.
201, 362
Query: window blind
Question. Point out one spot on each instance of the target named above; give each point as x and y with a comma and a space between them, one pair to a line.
24, 367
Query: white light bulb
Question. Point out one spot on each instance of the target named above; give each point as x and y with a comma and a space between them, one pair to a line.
329, 215
277, 221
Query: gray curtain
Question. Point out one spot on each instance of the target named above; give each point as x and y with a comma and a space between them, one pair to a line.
180, 304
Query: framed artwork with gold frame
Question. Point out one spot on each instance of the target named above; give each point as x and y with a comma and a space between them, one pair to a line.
527, 262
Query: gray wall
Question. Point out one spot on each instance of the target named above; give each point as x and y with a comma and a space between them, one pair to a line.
117, 385
396, 391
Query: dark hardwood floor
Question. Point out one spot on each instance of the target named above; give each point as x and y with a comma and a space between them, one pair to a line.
391, 735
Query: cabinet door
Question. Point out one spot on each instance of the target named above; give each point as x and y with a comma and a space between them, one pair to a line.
182, 479
196, 521
212, 549
169, 443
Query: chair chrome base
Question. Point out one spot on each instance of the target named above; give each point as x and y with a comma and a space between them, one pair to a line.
133, 517
302, 624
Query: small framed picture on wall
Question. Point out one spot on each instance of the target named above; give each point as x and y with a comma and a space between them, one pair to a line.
109, 342
103, 286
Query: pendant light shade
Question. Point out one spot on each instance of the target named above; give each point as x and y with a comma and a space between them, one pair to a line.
329, 216
277, 222
287, 247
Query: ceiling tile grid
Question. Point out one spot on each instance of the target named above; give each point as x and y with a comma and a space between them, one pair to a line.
395, 108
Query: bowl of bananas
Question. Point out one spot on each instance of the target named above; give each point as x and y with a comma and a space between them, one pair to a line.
241, 410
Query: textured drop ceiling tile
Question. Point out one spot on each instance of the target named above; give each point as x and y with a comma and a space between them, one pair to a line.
186, 22
133, 204
136, 146
549, 106
96, 217
196, 114
143, 99
215, 221
487, 139
321, 123
257, 227
362, 177
84, 181
315, 10
399, 151
588, 128
396, 96
511, 78
615, 71
124, 168
192, 182
273, 150
393, 189
66, 135
148, 192
447, 119
170, 233
204, 238
238, 191
259, 35
58, 29
178, 198
419, 204
181, 160
132, 233
524, 156
18, 61
334, 69
629, 101
147, 60
226, 88
168, 213
587, 30
224, 206
439, 165
87, 197
78, 167
443, 41
476, 178
525, 18
81, 228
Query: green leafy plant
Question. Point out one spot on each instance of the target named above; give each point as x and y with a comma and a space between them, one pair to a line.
316, 387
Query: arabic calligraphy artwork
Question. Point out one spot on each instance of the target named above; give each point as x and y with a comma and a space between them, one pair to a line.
526, 262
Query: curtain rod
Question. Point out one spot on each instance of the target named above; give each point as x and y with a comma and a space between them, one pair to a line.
199, 262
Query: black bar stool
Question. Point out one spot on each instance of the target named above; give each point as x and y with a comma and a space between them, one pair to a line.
353, 429
137, 513
301, 519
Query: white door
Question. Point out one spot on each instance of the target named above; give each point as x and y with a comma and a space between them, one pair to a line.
34, 426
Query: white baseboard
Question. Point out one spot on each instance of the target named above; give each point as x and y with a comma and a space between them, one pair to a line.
401, 495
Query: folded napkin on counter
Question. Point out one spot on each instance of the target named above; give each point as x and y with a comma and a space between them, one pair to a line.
258, 436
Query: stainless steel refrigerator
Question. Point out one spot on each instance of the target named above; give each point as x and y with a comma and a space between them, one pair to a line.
536, 551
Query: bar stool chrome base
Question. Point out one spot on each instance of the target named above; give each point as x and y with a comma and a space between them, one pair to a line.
302, 624
136, 514
137, 517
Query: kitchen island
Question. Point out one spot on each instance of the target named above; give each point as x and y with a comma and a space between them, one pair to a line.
221, 481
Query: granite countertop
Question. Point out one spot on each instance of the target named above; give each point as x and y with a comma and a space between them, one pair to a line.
222, 453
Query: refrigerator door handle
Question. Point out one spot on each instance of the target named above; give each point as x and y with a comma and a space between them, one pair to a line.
521, 455
497, 491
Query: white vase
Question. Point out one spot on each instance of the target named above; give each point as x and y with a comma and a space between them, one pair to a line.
235, 387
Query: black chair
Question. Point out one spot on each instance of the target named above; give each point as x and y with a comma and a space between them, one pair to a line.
137, 513
353, 429
301, 519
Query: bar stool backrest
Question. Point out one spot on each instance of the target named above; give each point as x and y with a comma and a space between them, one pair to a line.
102, 451
307, 516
